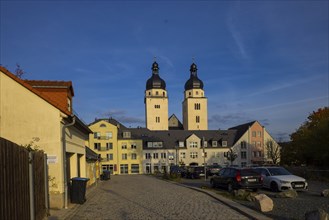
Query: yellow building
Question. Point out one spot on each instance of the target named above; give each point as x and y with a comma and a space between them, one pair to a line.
29, 113
156, 101
195, 109
120, 153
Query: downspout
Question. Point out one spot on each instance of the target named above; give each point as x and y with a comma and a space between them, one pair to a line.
64, 161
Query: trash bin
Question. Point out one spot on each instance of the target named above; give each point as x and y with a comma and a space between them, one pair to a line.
106, 175
78, 190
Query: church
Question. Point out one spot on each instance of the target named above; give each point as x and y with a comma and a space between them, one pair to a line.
166, 141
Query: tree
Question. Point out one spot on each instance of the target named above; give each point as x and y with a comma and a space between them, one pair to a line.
311, 140
231, 155
19, 71
273, 151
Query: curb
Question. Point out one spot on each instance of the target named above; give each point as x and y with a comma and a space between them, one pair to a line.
250, 213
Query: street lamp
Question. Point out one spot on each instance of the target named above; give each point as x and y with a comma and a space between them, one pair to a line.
204, 160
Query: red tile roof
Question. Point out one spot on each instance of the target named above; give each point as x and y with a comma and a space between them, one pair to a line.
51, 84
45, 97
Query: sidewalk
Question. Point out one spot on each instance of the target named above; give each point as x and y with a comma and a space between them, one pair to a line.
59, 214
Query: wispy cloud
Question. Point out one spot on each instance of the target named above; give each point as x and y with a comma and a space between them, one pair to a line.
236, 35
122, 117
282, 85
288, 103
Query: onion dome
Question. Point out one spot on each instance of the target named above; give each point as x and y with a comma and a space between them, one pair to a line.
194, 82
155, 82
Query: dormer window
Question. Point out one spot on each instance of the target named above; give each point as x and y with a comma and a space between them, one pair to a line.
214, 143
181, 144
224, 143
126, 134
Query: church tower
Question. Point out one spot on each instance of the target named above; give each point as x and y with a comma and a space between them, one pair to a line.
156, 101
195, 112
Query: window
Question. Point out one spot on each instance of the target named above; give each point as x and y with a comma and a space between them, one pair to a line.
258, 144
189, 93
124, 146
254, 143
224, 143
197, 93
133, 146
197, 106
243, 164
197, 119
109, 156
124, 156
163, 156
163, 94
133, 156
102, 126
243, 145
97, 146
214, 143
157, 119
182, 155
155, 155
243, 155
109, 146
193, 155
156, 93
108, 135
193, 144
123, 168
97, 135
134, 168
149, 93
181, 144
205, 143
147, 156
156, 106
126, 134
259, 133
253, 133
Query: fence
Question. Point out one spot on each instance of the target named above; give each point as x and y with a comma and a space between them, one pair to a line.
16, 201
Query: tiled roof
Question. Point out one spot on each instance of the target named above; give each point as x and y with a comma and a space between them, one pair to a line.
242, 129
171, 138
35, 91
51, 84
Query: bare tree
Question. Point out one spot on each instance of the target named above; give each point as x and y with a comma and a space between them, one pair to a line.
19, 71
231, 155
273, 151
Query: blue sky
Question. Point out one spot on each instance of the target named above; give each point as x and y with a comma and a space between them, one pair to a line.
259, 60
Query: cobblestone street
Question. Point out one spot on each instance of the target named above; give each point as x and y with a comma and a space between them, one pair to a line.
146, 197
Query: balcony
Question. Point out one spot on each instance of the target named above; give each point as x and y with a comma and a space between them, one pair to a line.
103, 149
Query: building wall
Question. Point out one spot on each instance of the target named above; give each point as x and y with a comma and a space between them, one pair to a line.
102, 127
156, 97
25, 117
192, 97
130, 153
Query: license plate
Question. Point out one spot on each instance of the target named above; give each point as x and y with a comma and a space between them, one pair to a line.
299, 186
252, 180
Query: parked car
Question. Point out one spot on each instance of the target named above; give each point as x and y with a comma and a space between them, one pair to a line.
176, 170
279, 179
237, 178
195, 172
213, 169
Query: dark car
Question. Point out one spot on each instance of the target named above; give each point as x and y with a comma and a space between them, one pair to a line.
176, 170
195, 172
213, 169
237, 178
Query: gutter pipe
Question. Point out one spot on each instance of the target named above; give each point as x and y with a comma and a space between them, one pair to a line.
64, 161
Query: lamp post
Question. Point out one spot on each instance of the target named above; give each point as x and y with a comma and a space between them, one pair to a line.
204, 160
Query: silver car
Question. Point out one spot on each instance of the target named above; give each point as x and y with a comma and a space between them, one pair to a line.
280, 179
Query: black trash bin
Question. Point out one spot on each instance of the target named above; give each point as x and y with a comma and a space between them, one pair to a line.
106, 175
78, 190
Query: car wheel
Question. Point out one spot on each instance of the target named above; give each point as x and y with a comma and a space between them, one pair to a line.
274, 187
230, 187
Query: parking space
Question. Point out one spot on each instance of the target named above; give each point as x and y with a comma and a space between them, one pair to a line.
284, 208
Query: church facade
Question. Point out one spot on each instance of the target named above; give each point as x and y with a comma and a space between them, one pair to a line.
165, 141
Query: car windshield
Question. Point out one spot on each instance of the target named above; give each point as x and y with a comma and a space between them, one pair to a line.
277, 171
